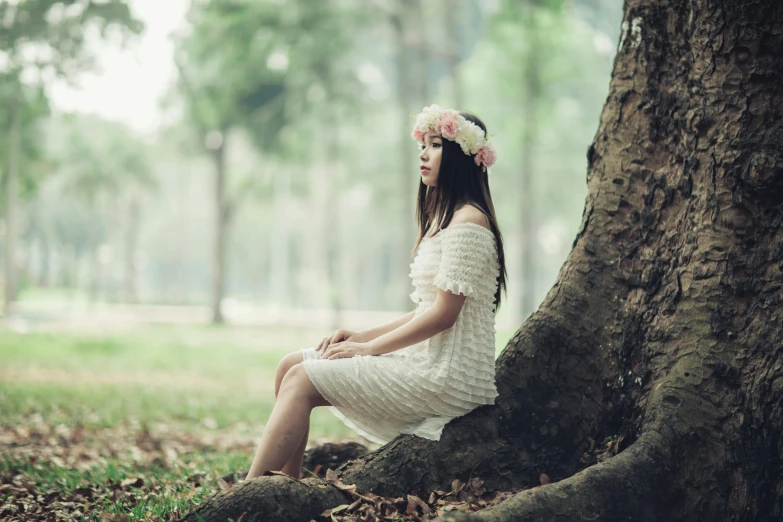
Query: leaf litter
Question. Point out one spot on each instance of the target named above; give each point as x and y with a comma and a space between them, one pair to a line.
29, 451
368, 507
61, 472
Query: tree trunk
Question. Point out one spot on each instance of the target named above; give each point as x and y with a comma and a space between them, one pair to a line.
408, 183
527, 197
664, 326
452, 12
11, 182
219, 246
279, 282
94, 274
44, 278
131, 240
420, 23
331, 220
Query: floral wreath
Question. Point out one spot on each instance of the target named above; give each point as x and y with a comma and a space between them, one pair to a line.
451, 125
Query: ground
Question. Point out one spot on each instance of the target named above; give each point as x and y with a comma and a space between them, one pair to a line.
141, 422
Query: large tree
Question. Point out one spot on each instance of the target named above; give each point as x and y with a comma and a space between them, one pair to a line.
665, 325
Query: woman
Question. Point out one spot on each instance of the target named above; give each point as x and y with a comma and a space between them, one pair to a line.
415, 374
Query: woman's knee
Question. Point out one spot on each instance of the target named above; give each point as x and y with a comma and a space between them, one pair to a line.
297, 381
286, 363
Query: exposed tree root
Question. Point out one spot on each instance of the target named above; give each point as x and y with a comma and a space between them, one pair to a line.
634, 485
270, 498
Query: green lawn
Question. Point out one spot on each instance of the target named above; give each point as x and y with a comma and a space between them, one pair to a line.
176, 407
205, 383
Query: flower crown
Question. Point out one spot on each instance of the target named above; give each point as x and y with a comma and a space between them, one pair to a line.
451, 125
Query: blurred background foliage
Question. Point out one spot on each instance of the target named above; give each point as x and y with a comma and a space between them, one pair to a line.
278, 172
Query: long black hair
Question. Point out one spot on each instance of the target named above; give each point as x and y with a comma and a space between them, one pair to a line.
460, 182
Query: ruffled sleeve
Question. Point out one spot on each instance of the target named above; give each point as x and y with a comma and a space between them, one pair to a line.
467, 255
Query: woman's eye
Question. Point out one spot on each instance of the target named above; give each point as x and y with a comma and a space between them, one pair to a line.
436, 144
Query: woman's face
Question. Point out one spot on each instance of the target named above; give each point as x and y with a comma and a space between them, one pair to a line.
430, 158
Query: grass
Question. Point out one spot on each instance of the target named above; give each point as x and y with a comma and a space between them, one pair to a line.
187, 376
178, 381
155, 375
165, 491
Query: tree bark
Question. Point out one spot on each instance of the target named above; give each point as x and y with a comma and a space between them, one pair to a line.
665, 323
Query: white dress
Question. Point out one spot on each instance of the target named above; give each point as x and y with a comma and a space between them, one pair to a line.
420, 388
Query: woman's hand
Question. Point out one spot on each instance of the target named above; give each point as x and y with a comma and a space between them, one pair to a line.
340, 335
346, 349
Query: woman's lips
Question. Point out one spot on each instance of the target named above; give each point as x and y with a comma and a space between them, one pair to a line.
424, 169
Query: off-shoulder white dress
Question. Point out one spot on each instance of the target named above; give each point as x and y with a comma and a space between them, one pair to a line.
420, 388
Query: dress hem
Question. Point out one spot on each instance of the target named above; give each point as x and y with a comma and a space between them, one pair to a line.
350, 423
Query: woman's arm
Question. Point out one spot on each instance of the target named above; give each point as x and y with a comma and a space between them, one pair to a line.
441, 316
376, 331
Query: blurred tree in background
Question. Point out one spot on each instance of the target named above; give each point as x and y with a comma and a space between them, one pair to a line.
107, 169
40, 40
272, 68
284, 175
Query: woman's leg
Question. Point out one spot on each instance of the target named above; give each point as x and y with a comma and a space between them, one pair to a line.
294, 465
288, 422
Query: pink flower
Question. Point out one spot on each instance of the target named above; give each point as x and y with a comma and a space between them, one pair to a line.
417, 134
448, 124
486, 155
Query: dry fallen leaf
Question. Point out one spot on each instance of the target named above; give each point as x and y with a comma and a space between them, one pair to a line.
136, 483
416, 501
335, 509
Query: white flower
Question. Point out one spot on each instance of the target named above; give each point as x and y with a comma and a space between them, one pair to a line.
470, 137
428, 117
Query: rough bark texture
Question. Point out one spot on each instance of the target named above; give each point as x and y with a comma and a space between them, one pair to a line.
269, 498
665, 324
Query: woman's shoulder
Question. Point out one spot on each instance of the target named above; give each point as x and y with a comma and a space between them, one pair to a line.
471, 221
469, 229
469, 214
